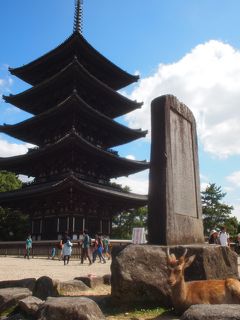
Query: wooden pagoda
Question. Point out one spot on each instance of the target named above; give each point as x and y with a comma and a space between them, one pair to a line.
73, 100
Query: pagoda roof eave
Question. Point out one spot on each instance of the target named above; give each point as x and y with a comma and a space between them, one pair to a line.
30, 71
126, 166
21, 100
51, 188
21, 130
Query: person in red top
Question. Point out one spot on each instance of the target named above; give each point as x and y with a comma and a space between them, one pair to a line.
98, 249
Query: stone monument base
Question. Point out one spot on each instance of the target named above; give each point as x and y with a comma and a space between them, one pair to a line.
139, 272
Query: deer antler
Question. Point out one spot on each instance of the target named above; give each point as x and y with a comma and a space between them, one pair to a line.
182, 258
168, 253
184, 253
171, 259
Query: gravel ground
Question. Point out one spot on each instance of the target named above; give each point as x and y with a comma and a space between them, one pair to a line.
12, 268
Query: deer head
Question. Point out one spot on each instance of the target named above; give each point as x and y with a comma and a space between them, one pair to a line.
176, 267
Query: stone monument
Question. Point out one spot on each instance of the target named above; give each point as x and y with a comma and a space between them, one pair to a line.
139, 272
175, 214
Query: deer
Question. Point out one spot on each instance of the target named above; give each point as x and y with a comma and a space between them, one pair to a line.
185, 294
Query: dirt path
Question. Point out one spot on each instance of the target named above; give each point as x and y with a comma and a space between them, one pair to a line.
12, 268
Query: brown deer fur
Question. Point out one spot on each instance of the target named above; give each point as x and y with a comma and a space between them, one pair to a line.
185, 294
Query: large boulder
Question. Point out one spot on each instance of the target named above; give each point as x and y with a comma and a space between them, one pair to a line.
9, 297
139, 275
72, 286
92, 281
76, 308
30, 305
212, 312
139, 272
23, 283
46, 287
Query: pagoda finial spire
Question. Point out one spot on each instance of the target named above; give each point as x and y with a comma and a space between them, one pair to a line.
78, 16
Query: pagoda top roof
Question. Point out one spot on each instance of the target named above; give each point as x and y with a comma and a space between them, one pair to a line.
29, 193
73, 77
71, 141
29, 130
53, 61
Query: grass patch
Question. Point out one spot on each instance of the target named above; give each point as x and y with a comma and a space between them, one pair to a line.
135, 314
15, 310
112, 312
8, 311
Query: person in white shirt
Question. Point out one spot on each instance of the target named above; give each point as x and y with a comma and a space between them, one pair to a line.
224, 237
67, 251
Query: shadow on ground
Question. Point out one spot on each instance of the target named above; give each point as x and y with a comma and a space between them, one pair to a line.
137, 312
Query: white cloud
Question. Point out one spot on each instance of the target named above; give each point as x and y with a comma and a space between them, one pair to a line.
203, 186
130, 157
12, 149
236, 210
228, 189
203, 177
24, 178
234, 178
138, 182
204, 182
207, 80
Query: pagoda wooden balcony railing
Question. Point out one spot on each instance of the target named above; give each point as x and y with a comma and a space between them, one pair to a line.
58, 175
33, 149
113, 152
93, 140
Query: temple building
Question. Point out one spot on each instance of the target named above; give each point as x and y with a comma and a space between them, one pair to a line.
73, 100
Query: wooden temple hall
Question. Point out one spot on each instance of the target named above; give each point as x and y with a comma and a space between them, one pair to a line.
73, 100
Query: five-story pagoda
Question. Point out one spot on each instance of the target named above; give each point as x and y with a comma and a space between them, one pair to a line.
73, 100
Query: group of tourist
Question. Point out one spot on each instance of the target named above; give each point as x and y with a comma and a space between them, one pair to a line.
100, 248
221, 237
90, 251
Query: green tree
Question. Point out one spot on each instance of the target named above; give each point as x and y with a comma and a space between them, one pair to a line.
238, 228
215, 212
127, 220
9, 181
232, 226
13, 224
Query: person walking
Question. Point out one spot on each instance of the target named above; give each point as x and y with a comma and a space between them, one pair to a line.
67, 251
224, 237
86, 243
53, 253
95, 247
28, 247
106, 252
64, 239
98, 249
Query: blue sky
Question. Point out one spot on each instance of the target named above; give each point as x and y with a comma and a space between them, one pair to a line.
188, 48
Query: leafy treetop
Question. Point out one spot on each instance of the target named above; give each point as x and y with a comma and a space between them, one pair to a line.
9, 181
215, 212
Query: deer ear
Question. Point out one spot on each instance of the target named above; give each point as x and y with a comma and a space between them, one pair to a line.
189, 261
